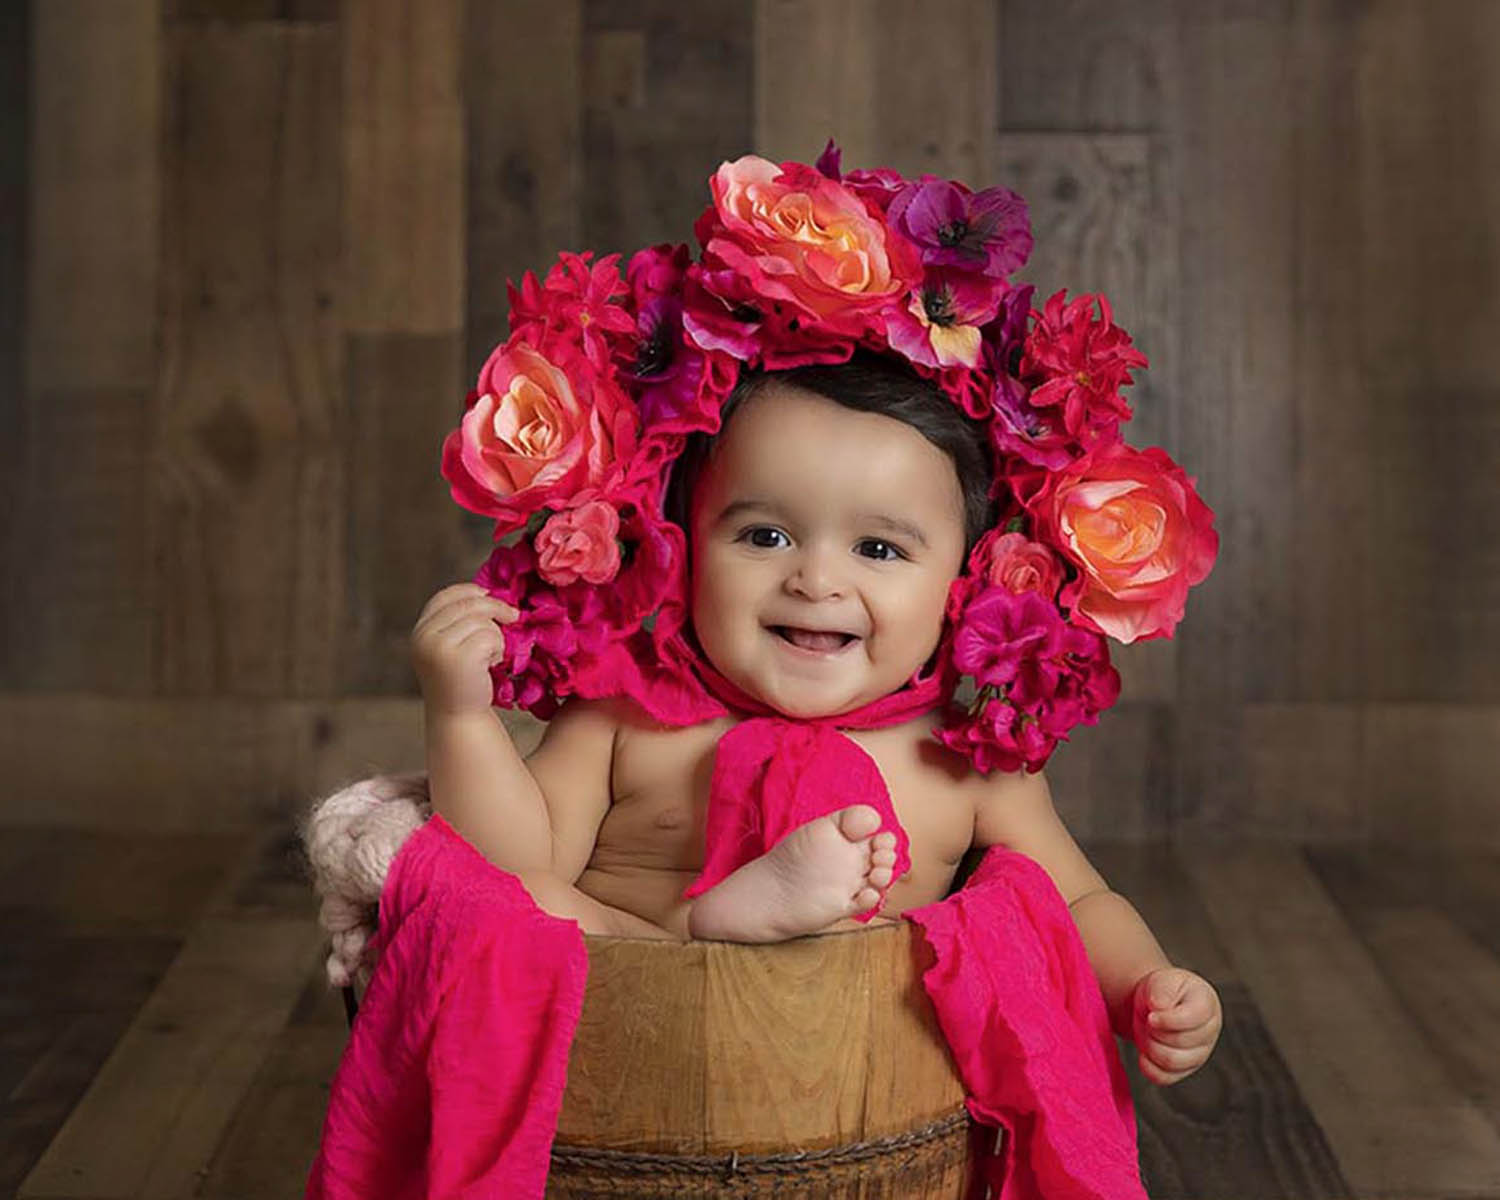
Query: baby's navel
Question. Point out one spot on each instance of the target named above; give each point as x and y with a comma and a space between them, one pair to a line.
671, 818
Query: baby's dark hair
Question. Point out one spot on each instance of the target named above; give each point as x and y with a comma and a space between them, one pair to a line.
870, 383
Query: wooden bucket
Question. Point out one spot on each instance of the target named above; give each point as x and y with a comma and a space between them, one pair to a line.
812, 1068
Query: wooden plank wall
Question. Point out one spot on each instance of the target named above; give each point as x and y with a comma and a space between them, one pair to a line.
259, 258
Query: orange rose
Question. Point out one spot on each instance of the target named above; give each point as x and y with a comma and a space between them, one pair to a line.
530, 431
1134, 525
796, 236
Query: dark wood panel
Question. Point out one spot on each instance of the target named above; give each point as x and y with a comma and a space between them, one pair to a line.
250, 425
666, 98
94, 223
523, 111
407, 537
15, 111
250, 10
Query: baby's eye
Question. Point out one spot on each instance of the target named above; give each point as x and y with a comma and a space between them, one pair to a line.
878, 548
765, 537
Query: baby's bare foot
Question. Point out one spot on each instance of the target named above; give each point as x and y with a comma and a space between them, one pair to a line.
828, 869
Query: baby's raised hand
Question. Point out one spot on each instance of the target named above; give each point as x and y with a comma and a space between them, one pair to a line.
1176, 1021
453, 645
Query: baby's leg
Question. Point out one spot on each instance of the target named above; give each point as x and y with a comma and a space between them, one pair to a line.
827, 870
561, 899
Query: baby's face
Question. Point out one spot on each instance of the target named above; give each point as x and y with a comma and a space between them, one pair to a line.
824, 541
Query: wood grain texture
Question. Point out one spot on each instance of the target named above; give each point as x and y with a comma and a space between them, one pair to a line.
177, 1076
852, 70
403, 162
269, 1145
1396, 1120
1240, 1126
1238, 425
251, 429
250, 10
15, 114
666, 98
1331, 643
408, 537
796, 1040
523, 110
94, 236
638, 1069
80, 598
1113, 779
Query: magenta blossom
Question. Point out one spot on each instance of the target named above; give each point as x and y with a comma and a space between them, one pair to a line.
667, 365
1082, 363
578, 302
987, 233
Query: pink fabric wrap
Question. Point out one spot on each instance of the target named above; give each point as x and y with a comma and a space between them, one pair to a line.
1022, 1012
454, 1073
453, 1076
773, 775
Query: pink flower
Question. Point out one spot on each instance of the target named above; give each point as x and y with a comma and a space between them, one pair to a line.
580, 543
532, 431
579, 303
1080, 365
988, 233
1132, 522
939, 325
1016, 563
794, 237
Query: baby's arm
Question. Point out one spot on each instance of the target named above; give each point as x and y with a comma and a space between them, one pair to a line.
477, 780
536, 818
1015, 810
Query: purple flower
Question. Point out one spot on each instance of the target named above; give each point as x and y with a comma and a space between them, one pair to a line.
986, 232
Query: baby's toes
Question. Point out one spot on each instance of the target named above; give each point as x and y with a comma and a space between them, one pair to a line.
880, 876
884, 841
882, 858
858, 822
867, 898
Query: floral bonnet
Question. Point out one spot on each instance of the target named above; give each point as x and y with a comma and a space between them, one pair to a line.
570, 434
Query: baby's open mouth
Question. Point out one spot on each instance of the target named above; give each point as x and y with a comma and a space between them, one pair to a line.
820, 640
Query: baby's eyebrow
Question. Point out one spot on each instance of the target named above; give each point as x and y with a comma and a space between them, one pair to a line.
739, 507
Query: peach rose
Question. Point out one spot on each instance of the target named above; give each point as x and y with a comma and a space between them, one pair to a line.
1020, 565
580, 543
796, 236
1133, 523
529, 431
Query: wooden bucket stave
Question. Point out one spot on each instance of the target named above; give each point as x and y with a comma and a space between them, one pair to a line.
813, 1068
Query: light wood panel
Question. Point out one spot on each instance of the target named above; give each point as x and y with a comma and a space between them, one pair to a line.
1394, 1117
158, 1109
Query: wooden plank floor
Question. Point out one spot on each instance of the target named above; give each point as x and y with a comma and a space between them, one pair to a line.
167, 1032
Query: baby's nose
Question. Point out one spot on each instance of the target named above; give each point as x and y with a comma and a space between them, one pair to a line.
816, 575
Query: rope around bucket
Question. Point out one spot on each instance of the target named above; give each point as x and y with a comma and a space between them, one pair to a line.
623, 1166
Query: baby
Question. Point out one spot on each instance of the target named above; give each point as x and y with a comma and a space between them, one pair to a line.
826, 521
